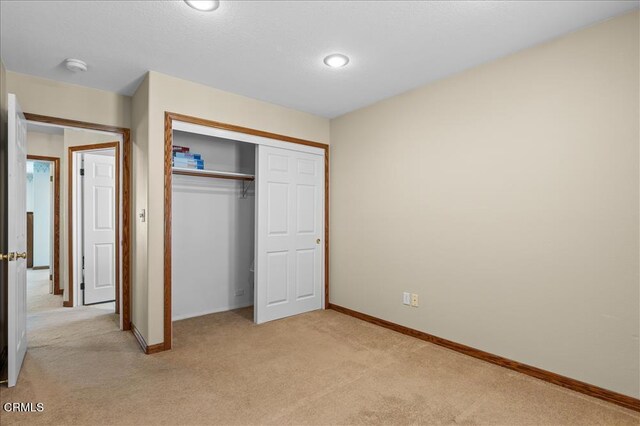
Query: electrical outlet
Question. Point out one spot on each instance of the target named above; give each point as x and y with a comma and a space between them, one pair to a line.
240, 292
414, 300
406, 298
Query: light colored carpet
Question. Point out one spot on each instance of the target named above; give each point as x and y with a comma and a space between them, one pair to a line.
318, 368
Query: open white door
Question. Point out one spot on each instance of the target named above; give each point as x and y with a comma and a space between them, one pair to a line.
17, 240
99, 232
289, 233
52, 228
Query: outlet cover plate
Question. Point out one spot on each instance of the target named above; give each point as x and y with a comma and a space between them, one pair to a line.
414, 300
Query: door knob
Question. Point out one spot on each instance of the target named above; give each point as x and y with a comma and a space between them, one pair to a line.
318, 241
22, 255
8, 256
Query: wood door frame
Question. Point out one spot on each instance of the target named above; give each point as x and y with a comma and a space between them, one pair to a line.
56, 217
72, 199
126, 201
169, 118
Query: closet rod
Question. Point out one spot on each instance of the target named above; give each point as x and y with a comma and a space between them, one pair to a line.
212, 174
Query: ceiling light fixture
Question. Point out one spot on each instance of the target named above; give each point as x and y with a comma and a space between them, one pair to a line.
336, 60
75, 65
203, 5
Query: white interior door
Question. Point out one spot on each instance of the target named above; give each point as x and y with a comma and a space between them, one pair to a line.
98, 212
51, 226
17, 240
289, 233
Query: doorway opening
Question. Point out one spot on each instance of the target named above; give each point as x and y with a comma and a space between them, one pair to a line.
102, 283
43, 219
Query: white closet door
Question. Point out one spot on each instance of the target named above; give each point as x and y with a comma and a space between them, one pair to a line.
16, 240
99, 184
290, 233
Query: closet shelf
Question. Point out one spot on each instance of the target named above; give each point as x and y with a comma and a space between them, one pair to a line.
212, 174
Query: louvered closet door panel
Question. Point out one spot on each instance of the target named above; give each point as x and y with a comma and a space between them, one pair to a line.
289, 249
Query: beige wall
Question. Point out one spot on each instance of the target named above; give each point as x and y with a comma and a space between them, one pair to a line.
47, 97
46, 144
140, 148
507, 198
171, 94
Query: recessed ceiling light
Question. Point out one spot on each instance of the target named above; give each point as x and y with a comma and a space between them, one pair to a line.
75, 65
336, 60
203, 5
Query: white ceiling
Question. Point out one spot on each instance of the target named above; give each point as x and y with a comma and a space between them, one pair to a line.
273, 51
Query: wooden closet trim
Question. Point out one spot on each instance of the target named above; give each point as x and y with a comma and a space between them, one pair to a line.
169, 117
56, 218
126, 200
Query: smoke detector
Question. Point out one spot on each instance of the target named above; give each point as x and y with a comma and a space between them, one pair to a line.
75, 65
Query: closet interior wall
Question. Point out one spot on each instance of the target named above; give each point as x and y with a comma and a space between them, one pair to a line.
212, 230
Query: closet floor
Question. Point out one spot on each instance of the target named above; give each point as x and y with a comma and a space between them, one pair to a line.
319, 368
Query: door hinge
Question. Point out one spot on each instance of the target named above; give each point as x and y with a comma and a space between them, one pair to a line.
81, 286
82, 172
83, 262
50, 178
50, 277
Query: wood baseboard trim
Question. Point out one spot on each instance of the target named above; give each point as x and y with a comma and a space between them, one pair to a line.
57, 291
139, 338
67, 303
547, 376
154, 349
149, 350
38, 268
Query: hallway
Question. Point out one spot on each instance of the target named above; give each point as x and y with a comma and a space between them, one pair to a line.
48, 321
